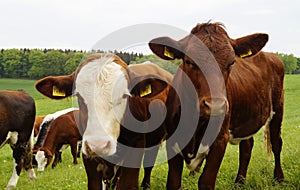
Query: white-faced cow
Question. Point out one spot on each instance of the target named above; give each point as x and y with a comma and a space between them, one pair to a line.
115, 111
232, 81
17, 113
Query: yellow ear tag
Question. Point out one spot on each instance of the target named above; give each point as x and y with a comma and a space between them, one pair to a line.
57, 92
246, 54
167, 53
146, 91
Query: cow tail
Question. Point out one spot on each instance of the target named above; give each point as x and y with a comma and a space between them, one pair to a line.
267, 141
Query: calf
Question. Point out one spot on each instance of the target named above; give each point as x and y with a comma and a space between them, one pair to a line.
17, 112
116, 102
226, 90
62, 131
43, 128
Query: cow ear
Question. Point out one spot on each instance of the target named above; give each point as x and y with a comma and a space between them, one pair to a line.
149, 88
56, 87
249, 45
166, 48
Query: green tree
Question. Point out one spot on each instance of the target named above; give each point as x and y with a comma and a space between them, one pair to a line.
1, 65
289, 61
37, 60
55, 61
74, 59
297, 71
13, 67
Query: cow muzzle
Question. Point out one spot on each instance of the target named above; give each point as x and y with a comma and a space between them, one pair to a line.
98, 148
213, 106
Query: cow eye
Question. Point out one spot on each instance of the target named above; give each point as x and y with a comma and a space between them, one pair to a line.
230, 65
188, 62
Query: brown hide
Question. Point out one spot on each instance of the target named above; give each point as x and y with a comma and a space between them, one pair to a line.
17, 112
63, 130
37, 122
254, 92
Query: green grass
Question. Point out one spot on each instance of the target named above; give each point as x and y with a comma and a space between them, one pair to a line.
260, 173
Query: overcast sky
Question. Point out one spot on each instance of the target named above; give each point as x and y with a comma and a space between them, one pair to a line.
79, 24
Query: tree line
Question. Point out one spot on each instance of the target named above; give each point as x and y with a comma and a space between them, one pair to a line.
38, 63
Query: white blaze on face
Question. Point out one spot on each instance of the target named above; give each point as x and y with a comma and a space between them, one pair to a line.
102, 84
41, 160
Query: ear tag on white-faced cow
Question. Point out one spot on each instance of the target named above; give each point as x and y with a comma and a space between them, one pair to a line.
146, 91
246, 54
57, 92
167, 53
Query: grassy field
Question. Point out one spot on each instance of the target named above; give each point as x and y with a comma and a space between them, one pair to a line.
260, 173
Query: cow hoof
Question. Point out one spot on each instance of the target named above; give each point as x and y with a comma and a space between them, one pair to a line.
10, 187
145, 186
240, 180
31, 175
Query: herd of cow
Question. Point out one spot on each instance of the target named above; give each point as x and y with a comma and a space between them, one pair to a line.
225, 90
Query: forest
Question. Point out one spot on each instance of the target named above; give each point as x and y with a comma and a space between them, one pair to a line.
38, 63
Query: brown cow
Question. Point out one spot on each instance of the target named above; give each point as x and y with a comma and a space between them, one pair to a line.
37, 122
62, 131
17, 112
111, 93
231, 89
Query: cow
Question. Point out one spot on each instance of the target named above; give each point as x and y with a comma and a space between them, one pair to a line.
114, 102
17, 113
223, 79
62, 131
43, 129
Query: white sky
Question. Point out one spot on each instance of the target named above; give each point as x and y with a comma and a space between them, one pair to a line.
79, 24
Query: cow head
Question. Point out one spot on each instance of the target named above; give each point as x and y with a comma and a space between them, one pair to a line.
208, 54
205, 52
101, 86
43, 158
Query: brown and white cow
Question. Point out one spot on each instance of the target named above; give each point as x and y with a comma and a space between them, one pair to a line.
115, 103
42, 128
62, 131
17, 113
230, 80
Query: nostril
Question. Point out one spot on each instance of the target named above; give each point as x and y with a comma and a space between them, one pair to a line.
215, 106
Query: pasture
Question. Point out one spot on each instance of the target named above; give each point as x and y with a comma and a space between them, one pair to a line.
260, 173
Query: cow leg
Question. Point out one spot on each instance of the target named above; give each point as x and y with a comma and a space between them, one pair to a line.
73, 145
149, 161
79, 144
56, 158
19, 155
128, 178
175, 165
94, 176
214, 159
28, 160
276, 141
245, 150
14, 177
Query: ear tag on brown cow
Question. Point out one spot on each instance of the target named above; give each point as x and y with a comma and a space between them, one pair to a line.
167, 53
57, 92
146, 91
246, 54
